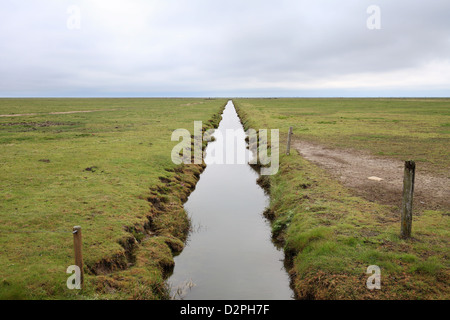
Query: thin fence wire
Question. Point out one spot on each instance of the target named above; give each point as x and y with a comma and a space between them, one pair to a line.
35, 231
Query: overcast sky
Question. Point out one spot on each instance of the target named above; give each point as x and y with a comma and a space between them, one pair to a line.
224, 48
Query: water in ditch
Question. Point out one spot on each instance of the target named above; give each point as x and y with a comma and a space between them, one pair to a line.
229, 253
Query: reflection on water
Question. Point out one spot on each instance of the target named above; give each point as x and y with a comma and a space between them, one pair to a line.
229, 253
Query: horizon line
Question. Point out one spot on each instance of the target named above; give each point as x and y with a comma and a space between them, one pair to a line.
225, 97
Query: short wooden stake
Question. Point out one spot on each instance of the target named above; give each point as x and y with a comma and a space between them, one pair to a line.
288, 150
407, 201
77, 244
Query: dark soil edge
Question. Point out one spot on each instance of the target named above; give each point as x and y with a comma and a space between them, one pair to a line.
164, 199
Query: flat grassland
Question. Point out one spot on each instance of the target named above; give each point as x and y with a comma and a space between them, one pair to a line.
95, 163
396, 128
105, 164
332, 234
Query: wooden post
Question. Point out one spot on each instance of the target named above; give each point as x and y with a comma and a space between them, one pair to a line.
288, 150
407, 202
77, 244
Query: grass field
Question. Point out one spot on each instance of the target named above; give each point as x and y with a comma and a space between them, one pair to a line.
105, 164
331, 234
397, 128
98, 170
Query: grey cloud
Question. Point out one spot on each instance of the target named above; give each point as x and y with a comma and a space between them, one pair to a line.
212, 47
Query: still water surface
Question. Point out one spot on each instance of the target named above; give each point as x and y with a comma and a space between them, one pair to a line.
229, 253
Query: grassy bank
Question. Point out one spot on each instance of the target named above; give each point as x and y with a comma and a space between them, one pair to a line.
396, 128
106, 167
330, 235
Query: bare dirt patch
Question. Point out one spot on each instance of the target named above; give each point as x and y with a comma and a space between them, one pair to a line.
354, 168
38, 124
60, 112
191, 104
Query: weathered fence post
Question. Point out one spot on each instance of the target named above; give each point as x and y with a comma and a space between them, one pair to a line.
407, 201
77, 244
288, 150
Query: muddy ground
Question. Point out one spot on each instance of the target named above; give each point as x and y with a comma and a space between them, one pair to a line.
354, 168
59, 112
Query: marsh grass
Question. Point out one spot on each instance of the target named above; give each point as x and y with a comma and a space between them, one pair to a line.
91, 169
330, 234
402, 129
